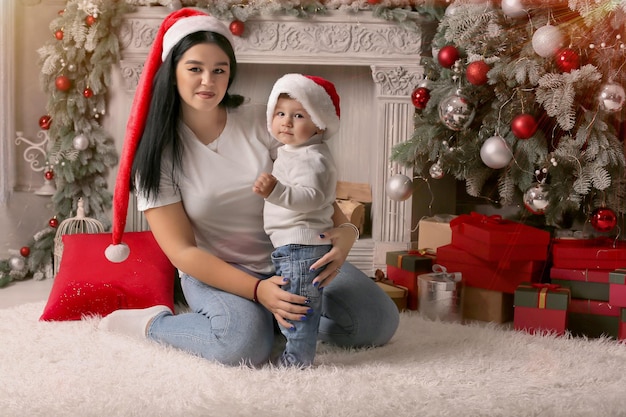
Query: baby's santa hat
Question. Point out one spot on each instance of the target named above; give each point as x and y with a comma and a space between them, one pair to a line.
316, 94
174, 27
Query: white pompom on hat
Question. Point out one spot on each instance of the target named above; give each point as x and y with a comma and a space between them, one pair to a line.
316, 94
174, 27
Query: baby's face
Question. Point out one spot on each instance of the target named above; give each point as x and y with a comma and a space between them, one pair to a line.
291, 123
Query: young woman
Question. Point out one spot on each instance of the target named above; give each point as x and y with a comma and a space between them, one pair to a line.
198, 155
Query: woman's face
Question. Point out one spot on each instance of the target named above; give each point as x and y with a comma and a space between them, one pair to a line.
202, 77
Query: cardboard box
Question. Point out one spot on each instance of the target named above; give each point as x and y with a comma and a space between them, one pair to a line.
397, 293
540, 308
403, 267
598, 253
497, 276
493, 239
433, 232
487, 305
355, 201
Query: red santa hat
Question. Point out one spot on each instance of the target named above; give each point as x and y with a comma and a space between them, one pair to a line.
316, 94
174, 27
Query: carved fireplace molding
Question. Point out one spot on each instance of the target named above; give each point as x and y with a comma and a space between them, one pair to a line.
337, 38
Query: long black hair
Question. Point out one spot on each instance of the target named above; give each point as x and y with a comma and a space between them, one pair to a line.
160, 134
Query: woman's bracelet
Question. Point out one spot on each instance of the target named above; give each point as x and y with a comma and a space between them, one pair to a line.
353, 227
256, 289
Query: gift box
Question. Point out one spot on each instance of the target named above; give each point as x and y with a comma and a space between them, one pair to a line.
497, 276
540, 308
584, 275
617, 288
487, 305
433, 232
403, 268
584, 289
494, 239
621, 330
440, 295
598, 253
397, 293
592, 318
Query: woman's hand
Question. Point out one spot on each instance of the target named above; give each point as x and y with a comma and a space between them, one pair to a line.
285, 306
342, 239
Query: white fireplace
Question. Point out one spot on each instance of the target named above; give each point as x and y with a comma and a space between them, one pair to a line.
375, 66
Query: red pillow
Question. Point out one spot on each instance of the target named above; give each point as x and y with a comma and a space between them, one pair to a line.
88, 284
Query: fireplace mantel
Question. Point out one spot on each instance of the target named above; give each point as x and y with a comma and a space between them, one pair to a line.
338, 38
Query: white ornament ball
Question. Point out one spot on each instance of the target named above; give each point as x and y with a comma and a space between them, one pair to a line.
612, 97
513, 8
495, 153
16, 263
80, 142
435, 171
456, 112
547, 40
536, 199
399, 187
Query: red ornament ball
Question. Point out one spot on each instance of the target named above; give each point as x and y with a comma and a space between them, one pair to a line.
59, 35
420, 97
44, 122
25, 251
603, 219
237, 27
90, 20
53, 222
88, 92
447, 56
49, 175
373, 2
476, 72
524, 125
62, 83
567, 60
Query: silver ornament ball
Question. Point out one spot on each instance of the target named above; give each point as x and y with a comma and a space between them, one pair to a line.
495, 153
16, 263
612, 97
513, 8
536, 199
547, 40
456, 112
435, 171
80, 142
399, 187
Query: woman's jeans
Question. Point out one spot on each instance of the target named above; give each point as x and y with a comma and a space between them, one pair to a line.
294, 263
234, 330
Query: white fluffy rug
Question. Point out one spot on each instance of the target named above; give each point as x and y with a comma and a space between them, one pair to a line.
69, 369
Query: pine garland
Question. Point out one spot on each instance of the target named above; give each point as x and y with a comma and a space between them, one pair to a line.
83, 56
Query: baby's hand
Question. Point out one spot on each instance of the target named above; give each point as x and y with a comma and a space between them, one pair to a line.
264, 185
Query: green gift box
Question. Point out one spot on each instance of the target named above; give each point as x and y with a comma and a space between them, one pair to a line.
544, 296
414, 261
583, 289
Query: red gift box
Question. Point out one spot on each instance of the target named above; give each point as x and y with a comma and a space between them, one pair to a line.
478, 273
540, 308
617, 288
599, 253
494, 239
403, 268
587, 275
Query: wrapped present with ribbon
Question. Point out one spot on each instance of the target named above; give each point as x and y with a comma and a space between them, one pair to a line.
593, 318
440, 294
541, 308
598, 253
434, 232
397, 293
403, 267
617, 287
495, 239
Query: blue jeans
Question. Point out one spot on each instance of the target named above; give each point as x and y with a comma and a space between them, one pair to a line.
294, 262
229, 329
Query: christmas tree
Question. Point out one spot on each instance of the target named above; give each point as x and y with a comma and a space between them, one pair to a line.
523, 101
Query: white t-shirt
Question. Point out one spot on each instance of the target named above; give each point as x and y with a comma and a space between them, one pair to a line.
216, 188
